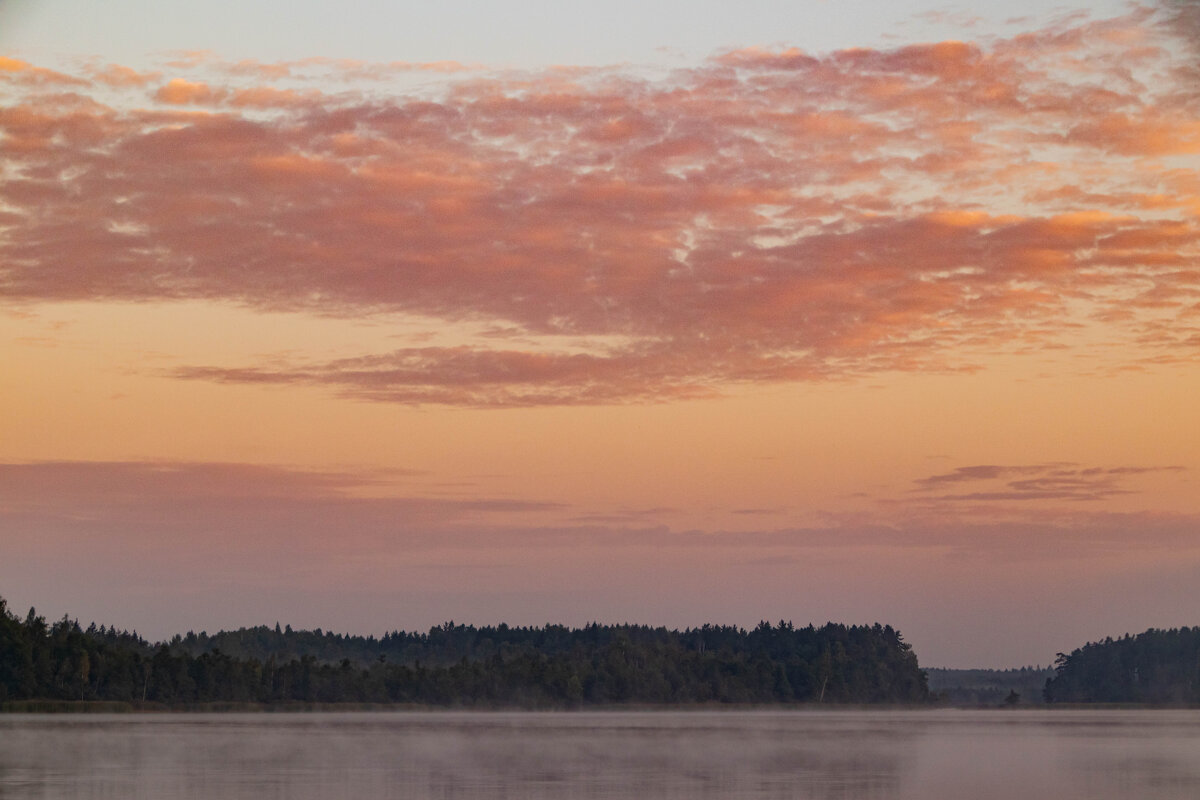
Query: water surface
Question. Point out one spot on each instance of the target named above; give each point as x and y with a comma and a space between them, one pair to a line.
892, 755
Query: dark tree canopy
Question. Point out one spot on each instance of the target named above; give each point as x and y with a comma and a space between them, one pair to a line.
1158, 666
462, 666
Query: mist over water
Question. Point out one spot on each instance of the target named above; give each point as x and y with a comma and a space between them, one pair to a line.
926, 755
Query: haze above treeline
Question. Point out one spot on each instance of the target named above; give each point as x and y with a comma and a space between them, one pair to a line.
554, 666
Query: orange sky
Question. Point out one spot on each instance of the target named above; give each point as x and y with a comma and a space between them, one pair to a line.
908, 335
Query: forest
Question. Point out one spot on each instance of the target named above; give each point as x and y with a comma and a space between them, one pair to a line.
460, 666
988, 687
1160, 667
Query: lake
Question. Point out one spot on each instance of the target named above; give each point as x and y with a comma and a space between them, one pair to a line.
905, 755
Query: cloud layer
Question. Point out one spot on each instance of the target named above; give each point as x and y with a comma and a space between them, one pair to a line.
166, 545
218, 509
770, 215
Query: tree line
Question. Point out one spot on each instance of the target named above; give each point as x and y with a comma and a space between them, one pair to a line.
989, 687
1156, 667
462, 666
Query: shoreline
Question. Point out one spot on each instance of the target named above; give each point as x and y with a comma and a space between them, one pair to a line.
75, 707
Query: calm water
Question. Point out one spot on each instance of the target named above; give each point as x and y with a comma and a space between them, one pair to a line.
930, 755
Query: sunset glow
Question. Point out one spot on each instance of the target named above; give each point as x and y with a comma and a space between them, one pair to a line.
906, 332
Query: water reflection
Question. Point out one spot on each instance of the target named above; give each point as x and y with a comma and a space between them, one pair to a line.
460, 756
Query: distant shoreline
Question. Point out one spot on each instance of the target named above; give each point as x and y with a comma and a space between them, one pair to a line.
114, 707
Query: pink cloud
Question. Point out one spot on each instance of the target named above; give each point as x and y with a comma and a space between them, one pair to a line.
767, 216
1151, 135
268, 97
22, 73
119, 76
180, 92
477, 377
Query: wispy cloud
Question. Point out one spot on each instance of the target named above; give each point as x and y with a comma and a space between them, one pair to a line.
483, 378
218, 517
1055, 481
208, 511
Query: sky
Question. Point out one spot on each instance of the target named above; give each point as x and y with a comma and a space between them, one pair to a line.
666, 313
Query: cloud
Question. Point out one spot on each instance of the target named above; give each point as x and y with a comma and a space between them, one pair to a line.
217, 517
348, 70
499, 378
180, 92
120, 76
1055, 481
211, 510
981, 472
22, 73
769, 215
